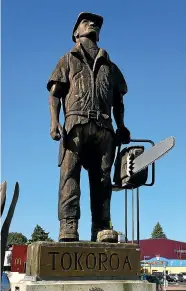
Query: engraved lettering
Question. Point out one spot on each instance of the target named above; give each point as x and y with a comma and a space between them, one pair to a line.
102, 259
88, 264
127, 262
53, 259
114, 262
63, 259
77, 261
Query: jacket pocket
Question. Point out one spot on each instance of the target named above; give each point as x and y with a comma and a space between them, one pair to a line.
75, 68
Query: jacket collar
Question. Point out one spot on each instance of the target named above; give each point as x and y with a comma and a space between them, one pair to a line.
76, 50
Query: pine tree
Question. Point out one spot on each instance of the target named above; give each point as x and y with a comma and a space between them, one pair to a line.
39, 235
158, 231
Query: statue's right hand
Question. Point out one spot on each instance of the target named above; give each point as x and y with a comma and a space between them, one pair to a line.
56, 131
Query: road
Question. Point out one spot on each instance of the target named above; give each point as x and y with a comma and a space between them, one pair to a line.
181, 286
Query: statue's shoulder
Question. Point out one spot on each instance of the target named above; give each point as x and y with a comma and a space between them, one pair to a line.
115, 68
117, 72
63, 61
64, 58
104, 53
119, 78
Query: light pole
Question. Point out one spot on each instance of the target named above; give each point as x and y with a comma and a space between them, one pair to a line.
164, 276
164, 272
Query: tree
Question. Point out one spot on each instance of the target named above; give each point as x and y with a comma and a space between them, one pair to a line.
158, 231
16, 238
39, 235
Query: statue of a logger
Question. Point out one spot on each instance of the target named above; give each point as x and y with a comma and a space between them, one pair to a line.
89, 86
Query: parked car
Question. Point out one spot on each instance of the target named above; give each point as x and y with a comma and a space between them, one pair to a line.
160, 276
169, 278
5, 283
157, 274
173, 277
184, 275
176, 277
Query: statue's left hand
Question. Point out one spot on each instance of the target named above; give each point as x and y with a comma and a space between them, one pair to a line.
124, 134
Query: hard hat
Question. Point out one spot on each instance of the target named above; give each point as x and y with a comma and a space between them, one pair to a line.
90, 16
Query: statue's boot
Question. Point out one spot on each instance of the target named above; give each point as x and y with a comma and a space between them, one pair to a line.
103, 233
68, 230
107, 235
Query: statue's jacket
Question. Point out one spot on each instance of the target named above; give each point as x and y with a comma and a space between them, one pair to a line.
87, 91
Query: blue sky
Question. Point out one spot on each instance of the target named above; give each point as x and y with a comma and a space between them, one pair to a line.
146, 39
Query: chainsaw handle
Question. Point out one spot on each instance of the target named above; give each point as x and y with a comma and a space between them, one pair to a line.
153, 164
143, 140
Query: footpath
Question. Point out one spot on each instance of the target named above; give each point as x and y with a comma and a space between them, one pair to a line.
178, 288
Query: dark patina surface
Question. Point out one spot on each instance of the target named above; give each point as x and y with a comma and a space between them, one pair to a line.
89, 86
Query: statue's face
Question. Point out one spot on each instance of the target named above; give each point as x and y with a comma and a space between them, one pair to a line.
88, 28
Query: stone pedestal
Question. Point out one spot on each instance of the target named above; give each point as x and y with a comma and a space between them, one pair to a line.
83, 261
84, 286
82, 266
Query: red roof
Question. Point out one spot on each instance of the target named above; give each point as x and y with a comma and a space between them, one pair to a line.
166, 248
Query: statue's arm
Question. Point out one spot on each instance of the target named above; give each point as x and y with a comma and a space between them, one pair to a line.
120, 89
118, 109
57, 85
55, 107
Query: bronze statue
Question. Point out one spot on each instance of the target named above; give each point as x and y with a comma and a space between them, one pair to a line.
88, 85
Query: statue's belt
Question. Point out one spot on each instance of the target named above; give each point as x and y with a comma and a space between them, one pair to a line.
90, 114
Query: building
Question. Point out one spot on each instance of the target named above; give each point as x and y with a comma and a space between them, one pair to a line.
157, 254
19, 255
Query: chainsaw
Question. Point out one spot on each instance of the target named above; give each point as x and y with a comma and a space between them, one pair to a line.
131, 163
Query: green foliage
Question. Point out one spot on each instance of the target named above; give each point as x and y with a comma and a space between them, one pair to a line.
16, 238
39, 235
158, 232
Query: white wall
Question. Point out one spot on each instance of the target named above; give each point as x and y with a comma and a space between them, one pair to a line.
8, 258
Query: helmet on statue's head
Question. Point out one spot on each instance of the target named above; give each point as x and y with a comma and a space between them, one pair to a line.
89, 16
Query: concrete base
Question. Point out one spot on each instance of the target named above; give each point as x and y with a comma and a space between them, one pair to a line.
15, 277
83, 286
